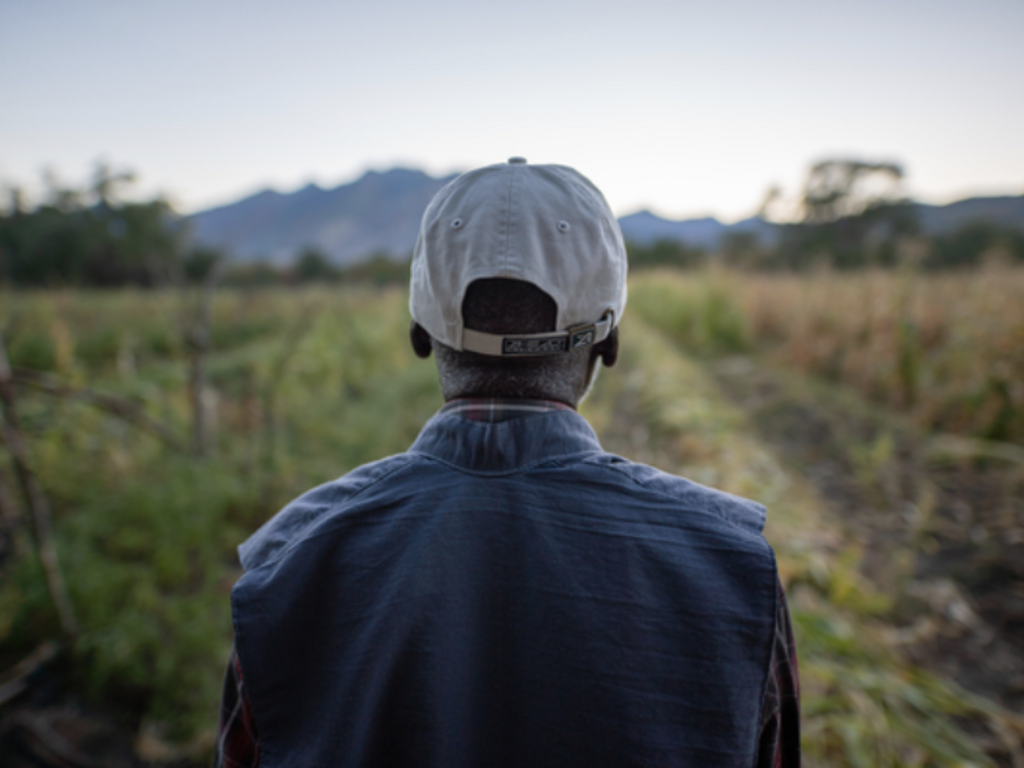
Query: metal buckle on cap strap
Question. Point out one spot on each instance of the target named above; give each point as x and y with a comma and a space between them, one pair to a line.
582, 335
590, 333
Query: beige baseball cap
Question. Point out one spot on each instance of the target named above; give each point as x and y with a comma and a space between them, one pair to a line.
545, 224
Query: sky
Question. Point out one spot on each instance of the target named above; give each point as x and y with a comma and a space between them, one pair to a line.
683, 108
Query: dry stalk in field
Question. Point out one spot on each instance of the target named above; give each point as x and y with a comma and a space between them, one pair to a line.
194, 327
278, 370
197, 338
118, 406
945, 348
10, 522
38, 504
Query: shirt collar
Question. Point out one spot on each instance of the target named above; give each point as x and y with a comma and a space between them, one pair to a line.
527, 438
499, 409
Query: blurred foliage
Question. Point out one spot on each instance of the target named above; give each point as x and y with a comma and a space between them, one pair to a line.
946, 348
90, 237
313, 266
700, 314
868, 239
841, 189
149, 576
304, 385
972, 245
256, 274
379, 269
665, 253
885, 236
852, 215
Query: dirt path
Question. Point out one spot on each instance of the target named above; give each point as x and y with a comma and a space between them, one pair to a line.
944, 538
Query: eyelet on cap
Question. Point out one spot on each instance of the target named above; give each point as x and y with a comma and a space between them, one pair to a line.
457, 223
563, 226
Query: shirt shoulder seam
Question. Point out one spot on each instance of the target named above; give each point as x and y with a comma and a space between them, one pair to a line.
401, 460
666, 495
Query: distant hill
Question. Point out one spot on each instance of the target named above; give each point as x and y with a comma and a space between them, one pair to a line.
941, 219
644, 228
381, 211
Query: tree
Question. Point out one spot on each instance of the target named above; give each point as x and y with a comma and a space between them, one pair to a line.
105, 183
89, 237
836, 189
312, 265
852, 213
974, 243
379, 269
665, 253
742, 249
197, 263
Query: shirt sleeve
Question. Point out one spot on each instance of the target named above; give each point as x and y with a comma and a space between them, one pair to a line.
237, 738
779, 745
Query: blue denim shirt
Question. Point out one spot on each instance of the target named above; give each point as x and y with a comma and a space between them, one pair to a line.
508, 594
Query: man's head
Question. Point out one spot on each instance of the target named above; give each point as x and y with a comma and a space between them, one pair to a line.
518, 283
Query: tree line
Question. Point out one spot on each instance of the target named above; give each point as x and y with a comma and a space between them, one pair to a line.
851, 216
91, 236
87, 236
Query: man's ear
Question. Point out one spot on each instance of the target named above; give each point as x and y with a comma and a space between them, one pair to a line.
420, 340
608, 350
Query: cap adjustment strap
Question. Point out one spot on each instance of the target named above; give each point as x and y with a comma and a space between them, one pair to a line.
538, 344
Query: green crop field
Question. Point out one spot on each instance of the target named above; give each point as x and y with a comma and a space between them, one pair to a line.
879, 417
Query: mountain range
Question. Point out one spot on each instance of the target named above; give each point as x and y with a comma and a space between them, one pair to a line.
380, 213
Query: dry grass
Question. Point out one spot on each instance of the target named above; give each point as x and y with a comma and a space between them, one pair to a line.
947, 349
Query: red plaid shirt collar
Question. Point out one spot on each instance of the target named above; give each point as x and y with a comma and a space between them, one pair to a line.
496, 409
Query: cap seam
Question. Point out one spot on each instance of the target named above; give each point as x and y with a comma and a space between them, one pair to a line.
511, 216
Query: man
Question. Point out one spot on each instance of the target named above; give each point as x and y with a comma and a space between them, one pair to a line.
505, 593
